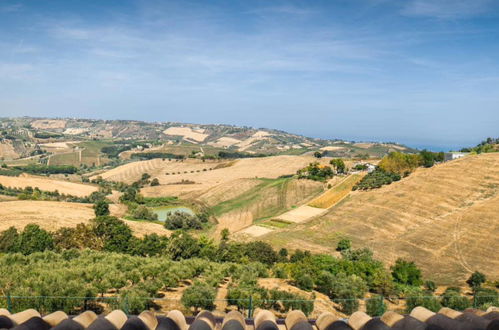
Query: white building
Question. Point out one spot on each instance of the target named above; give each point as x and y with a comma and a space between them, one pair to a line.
454, 155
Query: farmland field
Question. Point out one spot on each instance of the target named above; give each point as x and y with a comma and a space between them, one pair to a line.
435, 216
47, 184
54, 215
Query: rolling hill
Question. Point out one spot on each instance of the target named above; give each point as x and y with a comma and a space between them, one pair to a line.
21, 137
445, 218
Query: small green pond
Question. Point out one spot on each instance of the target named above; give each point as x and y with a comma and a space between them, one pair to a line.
164, 211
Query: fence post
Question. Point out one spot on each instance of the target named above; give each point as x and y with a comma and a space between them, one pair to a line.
126, 309
9, 303
250, 308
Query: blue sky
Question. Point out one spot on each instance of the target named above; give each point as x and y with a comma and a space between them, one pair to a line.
420, 72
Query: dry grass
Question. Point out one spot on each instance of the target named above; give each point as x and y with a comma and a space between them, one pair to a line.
64, 187
186, 133
48, 124
301, 214
54, 215
445, 218
267, 167
255, 231
336, 193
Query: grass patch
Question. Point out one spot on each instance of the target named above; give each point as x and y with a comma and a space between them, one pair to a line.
275, 223
251, 196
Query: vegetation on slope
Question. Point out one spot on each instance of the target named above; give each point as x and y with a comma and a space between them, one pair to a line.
442, 217
488, 145
135, 271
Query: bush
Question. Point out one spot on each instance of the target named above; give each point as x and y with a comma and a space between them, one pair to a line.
376, 179
8, 240
101, 208
476, 280
304, 282
375, 306
199, 296
182, 220
406, 272
115, 234
419, 299
316, 172
142, 212
154, 182
430, 286
486, 297
452, 298
34, 239
344, 244
400, 163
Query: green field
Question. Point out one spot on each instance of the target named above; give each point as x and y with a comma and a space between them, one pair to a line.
252, 196
90, 155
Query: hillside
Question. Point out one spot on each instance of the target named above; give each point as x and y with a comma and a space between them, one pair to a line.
65, 138
445, 218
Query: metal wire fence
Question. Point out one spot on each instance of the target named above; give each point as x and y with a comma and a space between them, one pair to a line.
313, 307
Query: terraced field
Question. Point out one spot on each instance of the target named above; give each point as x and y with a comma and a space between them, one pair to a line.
205, 175
445, 218
265, 200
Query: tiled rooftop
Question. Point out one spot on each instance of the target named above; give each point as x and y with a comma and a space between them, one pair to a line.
419, 318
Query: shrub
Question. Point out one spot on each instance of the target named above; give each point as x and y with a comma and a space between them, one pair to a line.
376, 306
304, 281
114, 233
485, 297
406, 272
344, 244
182, 220
476, 280
452, 298
316, 172
154, 182
419, 299
430, 286
376, 179
8, 240
34, 239
142, 212
199, 296
400, 163
101, 207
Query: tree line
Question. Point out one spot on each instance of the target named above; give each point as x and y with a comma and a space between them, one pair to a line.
105, 258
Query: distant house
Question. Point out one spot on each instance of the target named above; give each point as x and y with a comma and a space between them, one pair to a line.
454, 155
370, 168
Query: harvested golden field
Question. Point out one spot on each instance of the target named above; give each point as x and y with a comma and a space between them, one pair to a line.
445, 218
221, 172
336, 193
54, 215
64, 187
48, 124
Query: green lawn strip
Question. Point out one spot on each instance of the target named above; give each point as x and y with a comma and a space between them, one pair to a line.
249, 197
